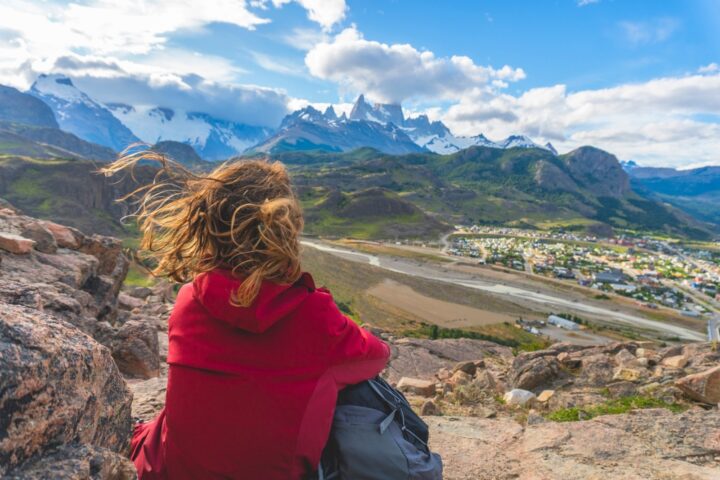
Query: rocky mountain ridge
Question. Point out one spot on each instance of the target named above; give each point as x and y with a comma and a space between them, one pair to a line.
379, 126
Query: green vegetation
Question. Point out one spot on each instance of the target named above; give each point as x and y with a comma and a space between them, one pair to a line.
528, 188
612, 407
139, 277
521, 343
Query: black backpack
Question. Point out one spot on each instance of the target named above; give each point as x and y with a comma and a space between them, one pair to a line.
377, 436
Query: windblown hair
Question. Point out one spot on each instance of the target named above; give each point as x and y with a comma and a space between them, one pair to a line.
243, 217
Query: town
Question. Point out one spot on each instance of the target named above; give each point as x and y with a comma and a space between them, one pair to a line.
650, 271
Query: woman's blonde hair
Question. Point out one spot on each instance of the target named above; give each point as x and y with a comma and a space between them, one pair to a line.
243, 216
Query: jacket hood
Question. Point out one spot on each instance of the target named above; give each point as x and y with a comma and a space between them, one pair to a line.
214, 291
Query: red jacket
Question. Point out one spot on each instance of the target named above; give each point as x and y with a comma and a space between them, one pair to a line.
251, 391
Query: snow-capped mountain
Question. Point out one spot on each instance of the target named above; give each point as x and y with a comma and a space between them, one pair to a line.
433, 136
212, 138
118, 125
310, 129
77, 113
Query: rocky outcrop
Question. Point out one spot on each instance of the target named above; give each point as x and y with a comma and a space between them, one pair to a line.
76, 278
647, 444
65, 409
58, 388
597, 171
422, 358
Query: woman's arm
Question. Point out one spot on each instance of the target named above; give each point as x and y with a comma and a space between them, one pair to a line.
355, 354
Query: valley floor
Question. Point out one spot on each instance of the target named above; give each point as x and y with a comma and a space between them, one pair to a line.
495, 296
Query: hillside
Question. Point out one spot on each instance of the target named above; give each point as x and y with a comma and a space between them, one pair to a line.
67, 191
181, 153
370, 195
583, 190
696, 191
37, 141
19, 107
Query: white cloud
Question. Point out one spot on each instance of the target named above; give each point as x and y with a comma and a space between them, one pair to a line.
119, 81
304, 38
278, 65
648, 32
584, 3
657, 122
324, 12
710, 68
392, 73
115, 26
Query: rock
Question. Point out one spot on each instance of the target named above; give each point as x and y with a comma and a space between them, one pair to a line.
625, 359
537, 371
72, 462
135, 349
545, 395
127, 302
534, 418
459, 378
568, 361
627, 374
57, 386
645, 444
596, 370
519, 397
703, 387
15, 243
65, 237
422, 358
145, 292
643, 362
429, 408
468, 367
486, 381
44, 240
645, 353
417, 386
676, 361
443, 374
148, 397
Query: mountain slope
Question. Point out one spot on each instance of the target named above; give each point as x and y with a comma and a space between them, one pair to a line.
53, 142
695, 191
69, 191
530, 187
77, 113
18, 107
181, 153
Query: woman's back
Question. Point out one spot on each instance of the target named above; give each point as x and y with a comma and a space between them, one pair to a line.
257, 354
251, 390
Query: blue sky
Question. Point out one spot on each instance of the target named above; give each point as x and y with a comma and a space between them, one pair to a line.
639, 78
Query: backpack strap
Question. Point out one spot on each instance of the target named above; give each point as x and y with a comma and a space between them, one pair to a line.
378, 385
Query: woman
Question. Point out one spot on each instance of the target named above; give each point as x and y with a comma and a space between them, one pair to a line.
257, 354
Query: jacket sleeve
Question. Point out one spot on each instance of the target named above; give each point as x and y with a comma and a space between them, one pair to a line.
355, 354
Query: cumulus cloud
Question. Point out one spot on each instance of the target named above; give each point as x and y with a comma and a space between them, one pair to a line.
324, 12
118, 81
655, 122
393, 73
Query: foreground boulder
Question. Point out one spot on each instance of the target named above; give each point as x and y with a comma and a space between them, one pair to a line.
703, 386
646, 444
77, 278
58, 388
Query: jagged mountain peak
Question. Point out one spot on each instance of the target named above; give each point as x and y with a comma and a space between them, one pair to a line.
330, 113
